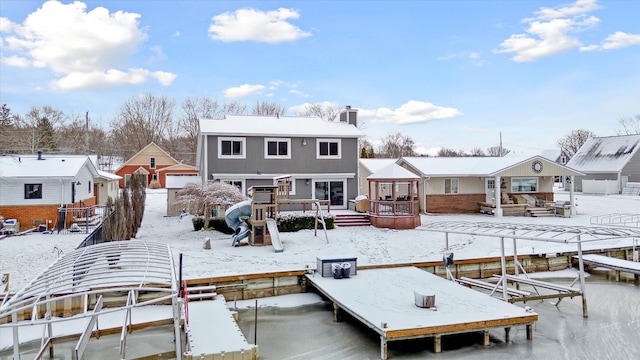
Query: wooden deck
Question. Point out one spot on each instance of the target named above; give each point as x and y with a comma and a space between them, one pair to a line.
383, 299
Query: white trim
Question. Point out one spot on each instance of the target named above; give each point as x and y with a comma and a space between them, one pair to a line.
243, 149
277, 141
328, 140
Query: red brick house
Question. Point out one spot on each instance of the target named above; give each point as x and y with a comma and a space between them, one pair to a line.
155, 163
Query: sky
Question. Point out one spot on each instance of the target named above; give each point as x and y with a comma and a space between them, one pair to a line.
453, 74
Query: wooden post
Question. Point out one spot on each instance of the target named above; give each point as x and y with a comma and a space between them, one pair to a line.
582, 282
337, 317
383, 347
437, 343
507, 330
617, 275
529, 332
485, 337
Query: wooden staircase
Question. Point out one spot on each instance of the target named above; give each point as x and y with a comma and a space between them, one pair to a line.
540, 211
352, 220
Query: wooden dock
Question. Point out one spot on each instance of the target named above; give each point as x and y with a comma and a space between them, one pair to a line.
383, 299
618, 265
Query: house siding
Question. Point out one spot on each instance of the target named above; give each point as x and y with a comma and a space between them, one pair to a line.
632, 169
303, 162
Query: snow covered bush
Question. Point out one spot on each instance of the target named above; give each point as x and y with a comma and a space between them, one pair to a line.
292, 221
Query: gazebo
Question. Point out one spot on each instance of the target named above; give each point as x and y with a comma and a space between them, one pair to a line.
394, 198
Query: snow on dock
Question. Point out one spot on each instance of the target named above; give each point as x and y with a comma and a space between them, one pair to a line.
384, 300
618, 265
212, 333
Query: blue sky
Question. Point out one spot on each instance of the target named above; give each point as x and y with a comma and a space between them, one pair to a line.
453, 74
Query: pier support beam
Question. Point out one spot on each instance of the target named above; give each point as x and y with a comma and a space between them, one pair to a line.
337, 315
530, 332
507, 330
437, 344
485, 338
383, 347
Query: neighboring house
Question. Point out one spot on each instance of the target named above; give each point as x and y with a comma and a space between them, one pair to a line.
153, 162
321, 157
106, 186
611, 158
174, 184
33, 187
370, 166
459, 184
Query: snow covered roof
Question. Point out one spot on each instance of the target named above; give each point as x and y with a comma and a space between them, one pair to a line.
375, 165
393, 171
469, 166
605, 154
108, 176
247, 125
28, 166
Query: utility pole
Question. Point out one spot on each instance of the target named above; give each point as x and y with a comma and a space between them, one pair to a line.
86, 135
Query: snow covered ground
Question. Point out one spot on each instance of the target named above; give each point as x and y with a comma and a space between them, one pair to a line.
26, 256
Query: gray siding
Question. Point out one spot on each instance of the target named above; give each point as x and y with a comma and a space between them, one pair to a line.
632, 169
303, 159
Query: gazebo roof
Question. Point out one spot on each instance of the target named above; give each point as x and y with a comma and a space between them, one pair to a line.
393, 172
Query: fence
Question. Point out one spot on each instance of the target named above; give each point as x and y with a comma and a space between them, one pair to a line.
605, 187
82, 220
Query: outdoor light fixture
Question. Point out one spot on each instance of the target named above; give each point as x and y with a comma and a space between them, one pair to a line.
307, 181
304, 142
78, 183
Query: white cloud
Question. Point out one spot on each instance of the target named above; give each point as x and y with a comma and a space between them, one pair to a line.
299, 93
255, 25
575, 9
16, 61
243, 91
410, 113
620, 39
300, 109
550, 31
85, 47
110, 78
158, 54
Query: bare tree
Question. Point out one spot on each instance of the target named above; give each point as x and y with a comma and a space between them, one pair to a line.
37, 130
325, 111
267, 108
573, 141
198, 108
477, 152
395, 145
446, 152
497, 151
142, 120
629, 125
7, 131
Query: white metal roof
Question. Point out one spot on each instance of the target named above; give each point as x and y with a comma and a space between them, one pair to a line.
605, 154
108, 176
469, 166
28, 166
99, 268
298, 126
537, 232
374, 165
393, 171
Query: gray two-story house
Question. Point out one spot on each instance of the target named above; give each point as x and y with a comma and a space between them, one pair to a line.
321, 157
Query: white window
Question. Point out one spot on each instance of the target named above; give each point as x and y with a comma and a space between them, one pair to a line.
232, 148
328, 148
277, 148
529, 184
237, 183
451, 186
